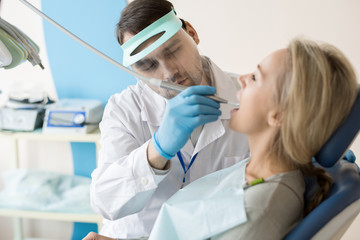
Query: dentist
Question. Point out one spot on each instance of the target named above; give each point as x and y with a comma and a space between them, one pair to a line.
155, 141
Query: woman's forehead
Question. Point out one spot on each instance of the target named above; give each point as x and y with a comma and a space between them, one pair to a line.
274, 61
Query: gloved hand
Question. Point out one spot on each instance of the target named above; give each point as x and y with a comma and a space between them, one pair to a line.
185, 112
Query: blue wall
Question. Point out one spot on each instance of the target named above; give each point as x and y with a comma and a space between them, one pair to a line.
79, 73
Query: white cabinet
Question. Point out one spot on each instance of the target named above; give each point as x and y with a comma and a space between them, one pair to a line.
19, 214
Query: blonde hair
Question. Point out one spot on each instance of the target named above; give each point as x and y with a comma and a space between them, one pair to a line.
315, 94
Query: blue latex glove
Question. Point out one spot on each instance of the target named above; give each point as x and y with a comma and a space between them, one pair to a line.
183, 113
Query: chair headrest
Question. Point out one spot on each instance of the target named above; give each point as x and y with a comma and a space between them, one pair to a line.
341, 139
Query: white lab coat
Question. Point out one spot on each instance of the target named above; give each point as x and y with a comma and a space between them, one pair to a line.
125, 190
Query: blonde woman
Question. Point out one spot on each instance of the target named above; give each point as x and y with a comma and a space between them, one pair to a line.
289, 107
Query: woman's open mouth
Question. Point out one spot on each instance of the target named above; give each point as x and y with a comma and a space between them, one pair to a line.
234, 110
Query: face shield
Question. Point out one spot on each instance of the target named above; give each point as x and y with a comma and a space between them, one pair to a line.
165, 51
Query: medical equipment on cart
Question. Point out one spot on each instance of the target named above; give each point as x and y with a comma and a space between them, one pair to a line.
21, 119
73, 116
23, 113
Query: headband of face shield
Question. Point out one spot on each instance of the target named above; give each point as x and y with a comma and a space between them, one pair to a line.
167, 25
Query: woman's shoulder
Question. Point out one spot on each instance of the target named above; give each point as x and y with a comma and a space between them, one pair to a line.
272, 208
283, 187
279, 201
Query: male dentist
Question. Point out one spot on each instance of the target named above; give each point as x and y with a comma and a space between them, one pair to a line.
155, 141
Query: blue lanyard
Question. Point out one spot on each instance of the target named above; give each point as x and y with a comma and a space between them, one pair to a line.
183, 164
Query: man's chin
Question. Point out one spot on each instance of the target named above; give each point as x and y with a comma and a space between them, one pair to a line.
168, 94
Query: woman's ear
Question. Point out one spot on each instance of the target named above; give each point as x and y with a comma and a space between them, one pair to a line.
192, 32
274, 118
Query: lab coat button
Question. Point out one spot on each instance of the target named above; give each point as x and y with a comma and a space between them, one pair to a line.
144, 181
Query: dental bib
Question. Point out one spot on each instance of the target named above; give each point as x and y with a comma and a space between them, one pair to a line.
206, 207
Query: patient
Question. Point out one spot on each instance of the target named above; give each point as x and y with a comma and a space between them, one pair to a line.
289, 107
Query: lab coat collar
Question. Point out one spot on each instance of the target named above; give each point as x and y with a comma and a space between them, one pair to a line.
153, 105
209, 134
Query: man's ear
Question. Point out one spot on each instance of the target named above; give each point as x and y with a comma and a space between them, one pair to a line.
274, 118
192, 32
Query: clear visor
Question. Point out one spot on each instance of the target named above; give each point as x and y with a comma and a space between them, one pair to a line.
166, 52
164, 28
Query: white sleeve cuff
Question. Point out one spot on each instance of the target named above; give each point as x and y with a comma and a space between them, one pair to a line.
159, 175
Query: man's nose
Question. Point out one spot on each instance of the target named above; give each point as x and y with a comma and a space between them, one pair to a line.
170, 70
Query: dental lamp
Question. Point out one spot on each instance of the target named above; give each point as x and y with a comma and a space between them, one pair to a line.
16, 47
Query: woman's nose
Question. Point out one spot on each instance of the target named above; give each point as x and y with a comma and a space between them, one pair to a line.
242, 81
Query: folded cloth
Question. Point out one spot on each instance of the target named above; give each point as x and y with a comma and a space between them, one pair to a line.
204, 208
31, 189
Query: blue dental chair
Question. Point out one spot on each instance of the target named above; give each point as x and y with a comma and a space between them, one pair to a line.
334, 215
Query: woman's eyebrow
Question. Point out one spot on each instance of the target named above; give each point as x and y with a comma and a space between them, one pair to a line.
261, 73
259, 68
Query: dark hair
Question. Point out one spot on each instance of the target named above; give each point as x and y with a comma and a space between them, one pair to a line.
141, 13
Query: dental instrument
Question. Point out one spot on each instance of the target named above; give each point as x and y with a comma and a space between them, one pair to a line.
153, 81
